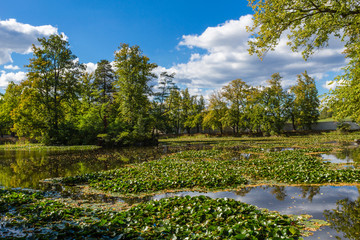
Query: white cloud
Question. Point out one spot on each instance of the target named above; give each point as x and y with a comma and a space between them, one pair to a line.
227, 58
90, 67
18, 37
331, 85
11, 67
5, 78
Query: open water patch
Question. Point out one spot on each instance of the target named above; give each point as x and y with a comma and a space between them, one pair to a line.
335, 158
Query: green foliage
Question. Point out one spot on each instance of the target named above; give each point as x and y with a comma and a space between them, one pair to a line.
236, 93
32, 216
209, 218
343, 127
8, 102
134, 71
160, 105
309, 25
275, 102
215, 116
297, 167
52, 83
168, 173
306, 102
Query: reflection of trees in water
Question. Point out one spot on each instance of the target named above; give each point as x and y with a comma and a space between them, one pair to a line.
26, 168
243, 191
345, 218
279, 192
352, 153
310, 192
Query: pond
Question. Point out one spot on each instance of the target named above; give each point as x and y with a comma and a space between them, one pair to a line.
25, 168
320, 202
337, 204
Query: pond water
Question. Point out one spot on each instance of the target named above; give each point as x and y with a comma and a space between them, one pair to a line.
347, 155
25, 168
340, 205
320, 202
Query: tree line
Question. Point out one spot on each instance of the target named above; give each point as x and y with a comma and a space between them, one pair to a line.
60, 103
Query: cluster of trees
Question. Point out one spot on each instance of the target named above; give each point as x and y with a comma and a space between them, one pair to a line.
61, 103
264, 109
309, 26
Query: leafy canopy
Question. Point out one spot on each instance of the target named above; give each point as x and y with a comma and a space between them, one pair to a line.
309, 24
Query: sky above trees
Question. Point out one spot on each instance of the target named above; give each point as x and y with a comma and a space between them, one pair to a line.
204, 43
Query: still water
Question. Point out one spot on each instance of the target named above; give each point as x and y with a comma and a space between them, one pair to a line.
340, 205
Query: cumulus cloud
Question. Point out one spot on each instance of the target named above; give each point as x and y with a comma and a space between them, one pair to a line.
11, 67
18, 37
330, 85
90, 67
5, 78
226, 58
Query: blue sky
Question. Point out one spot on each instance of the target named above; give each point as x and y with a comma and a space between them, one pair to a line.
203, 42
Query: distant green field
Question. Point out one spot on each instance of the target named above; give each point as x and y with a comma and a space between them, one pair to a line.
333, 120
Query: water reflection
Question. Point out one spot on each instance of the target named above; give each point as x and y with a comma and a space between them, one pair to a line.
26, 168
336, 158
314, 200
345, 218
347, 155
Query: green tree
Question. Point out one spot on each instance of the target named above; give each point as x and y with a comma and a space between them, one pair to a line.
236, 93
104, 89
345, 98
186, 109
53, 75
307, 23
134, 72
196, 115
160, 107
255, 111
88, 119
104, 81
309, 26
173, 113
9, 101
306, 102
276, 105
215, 117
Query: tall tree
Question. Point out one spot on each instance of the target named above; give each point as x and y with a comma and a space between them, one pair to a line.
103, 85
165, 85
196, 114
104, 81
306, 102
254, 111
215, 117
236, 93
160, 106
186, 107
173, 113
9, 101
53, 75
276, 105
